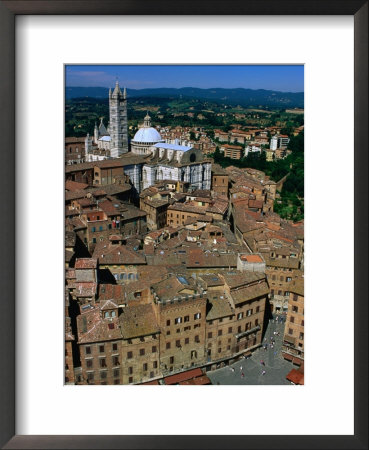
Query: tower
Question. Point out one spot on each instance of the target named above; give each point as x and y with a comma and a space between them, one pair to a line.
118, 121
96, 134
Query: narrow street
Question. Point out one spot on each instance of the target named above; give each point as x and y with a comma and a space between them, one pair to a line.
276, 368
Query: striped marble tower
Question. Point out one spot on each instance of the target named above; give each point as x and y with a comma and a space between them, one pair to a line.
118, 121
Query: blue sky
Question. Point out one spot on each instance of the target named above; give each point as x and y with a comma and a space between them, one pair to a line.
286, 78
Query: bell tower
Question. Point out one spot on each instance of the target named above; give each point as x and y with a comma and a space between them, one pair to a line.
118, 121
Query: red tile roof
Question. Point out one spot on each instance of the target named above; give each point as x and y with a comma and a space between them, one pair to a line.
295, 376
85, 263
175, 379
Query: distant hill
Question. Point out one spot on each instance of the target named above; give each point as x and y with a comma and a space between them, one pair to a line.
244, 97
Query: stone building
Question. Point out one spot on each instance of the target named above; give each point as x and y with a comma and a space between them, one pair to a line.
219, 180
293, 339
74, 150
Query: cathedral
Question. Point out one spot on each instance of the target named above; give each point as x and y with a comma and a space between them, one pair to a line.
160, 160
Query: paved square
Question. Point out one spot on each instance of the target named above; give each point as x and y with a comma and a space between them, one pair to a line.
271, 361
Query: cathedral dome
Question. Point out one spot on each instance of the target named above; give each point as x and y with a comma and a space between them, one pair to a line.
147, 135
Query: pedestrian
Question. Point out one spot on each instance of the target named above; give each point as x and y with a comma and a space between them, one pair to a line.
240, 368
242, 375
263, 372
272, 346
232, 368
262, 363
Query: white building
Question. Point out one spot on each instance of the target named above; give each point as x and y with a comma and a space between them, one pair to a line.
179, 163
252, 149
279, 141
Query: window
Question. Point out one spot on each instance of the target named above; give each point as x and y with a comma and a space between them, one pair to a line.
115, 360
171, 360
178, 320
142, 351
292, 319
249, 312
257, 309
103, 374
167, 345
256, 322
129, 355
219, 350
295, 309
187, 318
113, 314
153, 349
288, 278
197, 316
90, 376
239, 315
116, 373
142, 339
102, 362
151, 374
89, 362
106, 314
286, 294
220, 320
301, 336
239, 329
178, 343
197, 338
88, 350
168, 333
178, 330
94, 240
187, 340
93, 229
187, 328
210, 335
230, 330
220, 332
101, 348
130, 370
295, 297
248, 326
302, 322
290, 331
198, 325
144, 367
155, 364
130, 380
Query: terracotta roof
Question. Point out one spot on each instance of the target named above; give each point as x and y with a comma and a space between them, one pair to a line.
218, 305
252, 258
198, 381
85, 263
177, 378
74, 185
137, 321
295, 376
117, 254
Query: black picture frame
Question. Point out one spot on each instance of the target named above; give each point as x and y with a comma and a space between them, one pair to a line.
8, 11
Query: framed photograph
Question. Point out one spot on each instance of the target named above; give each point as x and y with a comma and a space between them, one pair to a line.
106, 169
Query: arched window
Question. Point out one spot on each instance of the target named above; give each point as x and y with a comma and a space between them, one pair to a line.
113, 314
106, 314
131, 276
